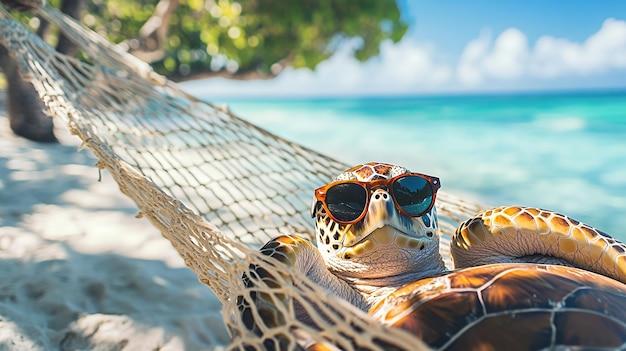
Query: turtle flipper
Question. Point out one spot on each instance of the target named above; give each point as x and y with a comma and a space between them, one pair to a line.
262, 310
516, 234
269, 304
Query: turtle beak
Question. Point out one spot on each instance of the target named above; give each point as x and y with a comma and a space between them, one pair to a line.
380, 213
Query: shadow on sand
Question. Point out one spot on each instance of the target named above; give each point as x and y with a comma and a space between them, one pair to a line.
78, 271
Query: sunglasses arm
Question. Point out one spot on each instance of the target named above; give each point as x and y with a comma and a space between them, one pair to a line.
314, 207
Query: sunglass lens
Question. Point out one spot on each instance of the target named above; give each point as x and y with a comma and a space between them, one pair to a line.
346, 201
413, 194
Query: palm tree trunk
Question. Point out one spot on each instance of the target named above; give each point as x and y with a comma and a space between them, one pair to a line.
26, 111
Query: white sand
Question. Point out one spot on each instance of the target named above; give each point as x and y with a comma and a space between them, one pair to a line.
78, 271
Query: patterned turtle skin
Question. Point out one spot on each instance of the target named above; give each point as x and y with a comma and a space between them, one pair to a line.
524, 278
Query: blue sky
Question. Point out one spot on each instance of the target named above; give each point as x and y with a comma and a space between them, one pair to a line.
469, 47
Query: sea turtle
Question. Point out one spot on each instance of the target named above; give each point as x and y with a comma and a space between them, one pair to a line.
524, 278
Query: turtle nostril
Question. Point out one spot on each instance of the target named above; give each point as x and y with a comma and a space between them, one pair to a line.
381, 195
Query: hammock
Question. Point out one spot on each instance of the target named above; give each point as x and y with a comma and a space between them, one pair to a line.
191, 168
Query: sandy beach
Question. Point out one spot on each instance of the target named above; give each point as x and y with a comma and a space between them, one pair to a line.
78, 271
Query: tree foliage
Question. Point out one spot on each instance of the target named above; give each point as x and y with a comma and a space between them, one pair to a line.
185, 39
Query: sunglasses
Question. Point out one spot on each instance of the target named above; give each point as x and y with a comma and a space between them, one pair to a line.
346, 201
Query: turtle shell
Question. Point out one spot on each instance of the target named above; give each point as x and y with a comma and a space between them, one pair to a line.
511, 307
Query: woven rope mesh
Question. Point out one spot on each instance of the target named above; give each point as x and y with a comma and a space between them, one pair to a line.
215, 185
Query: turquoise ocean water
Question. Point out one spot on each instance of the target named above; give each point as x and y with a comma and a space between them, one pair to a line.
565, 152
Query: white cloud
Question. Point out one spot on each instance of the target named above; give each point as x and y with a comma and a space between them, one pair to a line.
407, 65
469, 70
554, 57
505, 58
607, 48
510, 57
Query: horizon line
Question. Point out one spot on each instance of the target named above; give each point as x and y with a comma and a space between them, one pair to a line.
607, 91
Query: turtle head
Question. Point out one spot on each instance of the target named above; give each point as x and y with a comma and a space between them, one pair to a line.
377, 221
